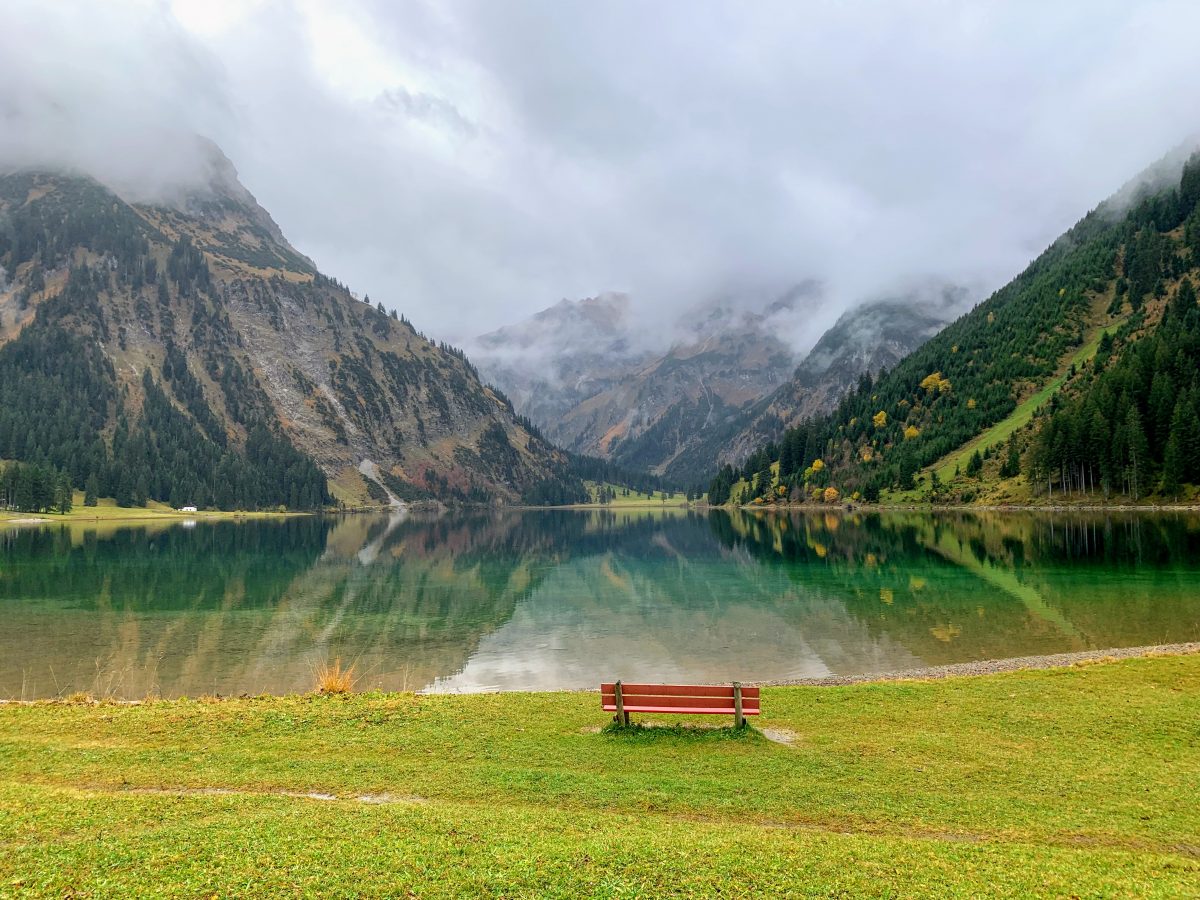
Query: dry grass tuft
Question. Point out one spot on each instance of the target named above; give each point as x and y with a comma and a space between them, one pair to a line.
333, 679
1093, 661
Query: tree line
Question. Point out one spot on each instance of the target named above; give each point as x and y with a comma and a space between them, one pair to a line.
1133, 425
35, 489
58, 396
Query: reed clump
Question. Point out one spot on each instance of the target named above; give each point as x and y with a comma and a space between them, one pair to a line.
334, 678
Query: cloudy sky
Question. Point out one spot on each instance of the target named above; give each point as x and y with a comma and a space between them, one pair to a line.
472, 162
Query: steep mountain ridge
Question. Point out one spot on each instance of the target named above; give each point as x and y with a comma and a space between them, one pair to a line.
1079, 378
864, 340
560, 357
198, 337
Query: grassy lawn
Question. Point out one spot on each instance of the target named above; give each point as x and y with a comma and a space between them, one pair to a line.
635, 498
106, 509
1078, 781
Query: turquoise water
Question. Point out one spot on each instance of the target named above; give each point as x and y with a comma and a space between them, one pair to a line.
562, 599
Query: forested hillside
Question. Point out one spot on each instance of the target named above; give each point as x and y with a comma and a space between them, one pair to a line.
185, 352
1095, 342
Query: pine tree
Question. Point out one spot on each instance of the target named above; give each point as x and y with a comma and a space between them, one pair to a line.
974, 465
762, 481
1011, 467
64, 493
1186, 428
1172, 477
1138, 451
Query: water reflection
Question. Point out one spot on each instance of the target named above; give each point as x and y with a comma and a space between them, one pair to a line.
559, 599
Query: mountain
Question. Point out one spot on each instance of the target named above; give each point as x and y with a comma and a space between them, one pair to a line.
182, 350
555, 360
1078, 380
728, 383
596, 383
867, 339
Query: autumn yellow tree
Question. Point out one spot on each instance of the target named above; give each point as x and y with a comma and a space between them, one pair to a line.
911, 432
935, 383
831, 495
880, 419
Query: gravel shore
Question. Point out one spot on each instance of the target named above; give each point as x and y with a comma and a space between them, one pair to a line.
992, 666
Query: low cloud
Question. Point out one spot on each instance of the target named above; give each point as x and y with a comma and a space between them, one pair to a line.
470, 164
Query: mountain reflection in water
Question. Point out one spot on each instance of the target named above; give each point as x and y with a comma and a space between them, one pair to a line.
483, 600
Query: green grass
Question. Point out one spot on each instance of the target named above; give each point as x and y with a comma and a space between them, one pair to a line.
106, 509
635, 498
1076, 781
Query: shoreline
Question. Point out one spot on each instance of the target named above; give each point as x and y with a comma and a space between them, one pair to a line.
994, 666
922, 673
148, 516
964, 507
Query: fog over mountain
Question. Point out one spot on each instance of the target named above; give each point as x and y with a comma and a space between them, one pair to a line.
473, 163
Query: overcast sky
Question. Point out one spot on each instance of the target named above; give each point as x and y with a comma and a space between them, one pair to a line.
472, 162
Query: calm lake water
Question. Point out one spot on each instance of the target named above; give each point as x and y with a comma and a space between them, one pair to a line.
562, 599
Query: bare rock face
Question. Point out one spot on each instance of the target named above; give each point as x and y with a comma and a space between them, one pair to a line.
587, 374
864, 340
202, 291
554, 361
728, 383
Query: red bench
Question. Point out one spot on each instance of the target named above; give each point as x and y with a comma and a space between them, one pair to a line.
682, 699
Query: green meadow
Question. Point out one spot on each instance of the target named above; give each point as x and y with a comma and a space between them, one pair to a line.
1068, 782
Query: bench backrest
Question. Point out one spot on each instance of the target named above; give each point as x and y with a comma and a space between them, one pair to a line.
680, 698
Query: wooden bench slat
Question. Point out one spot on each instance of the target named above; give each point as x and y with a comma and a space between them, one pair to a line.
683, 710
679, 690
680, 699
714, 703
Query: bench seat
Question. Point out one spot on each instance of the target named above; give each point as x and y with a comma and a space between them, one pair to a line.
680, 699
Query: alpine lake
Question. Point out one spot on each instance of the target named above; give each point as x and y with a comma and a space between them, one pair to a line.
485, 600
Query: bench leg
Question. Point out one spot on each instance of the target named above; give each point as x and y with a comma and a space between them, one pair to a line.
621, 717
738, 719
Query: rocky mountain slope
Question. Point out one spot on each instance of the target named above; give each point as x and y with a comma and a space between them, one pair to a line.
866, 339
728, 383
552, 362
183, 350
596, 384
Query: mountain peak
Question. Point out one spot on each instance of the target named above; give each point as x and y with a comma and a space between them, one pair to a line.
220, 215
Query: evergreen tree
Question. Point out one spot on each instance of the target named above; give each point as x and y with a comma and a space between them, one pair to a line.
64, 494
1137, 452
1173, 470
1011, 466
762, 480
91, 490
974, 465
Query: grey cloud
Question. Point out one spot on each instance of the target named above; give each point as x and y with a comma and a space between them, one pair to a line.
496, 157
427, 107
117, 92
